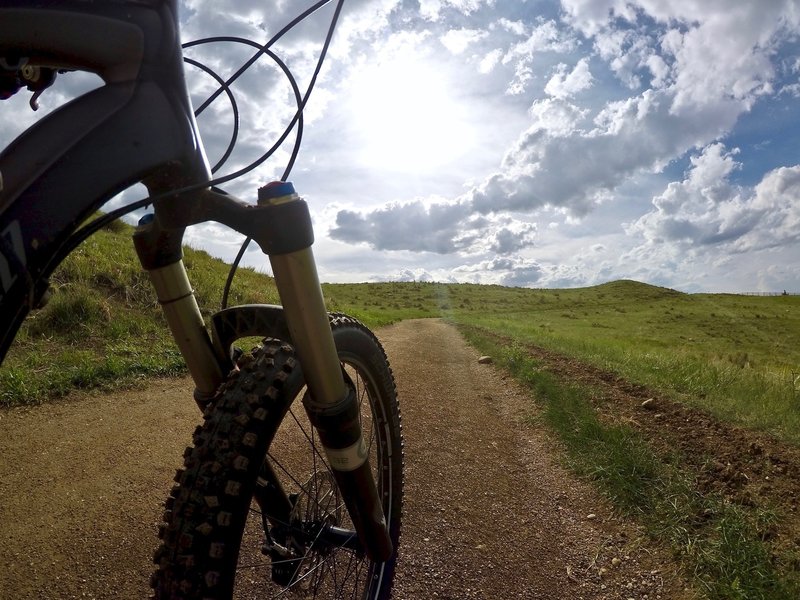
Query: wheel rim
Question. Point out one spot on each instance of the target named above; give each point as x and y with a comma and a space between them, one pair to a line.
315, 564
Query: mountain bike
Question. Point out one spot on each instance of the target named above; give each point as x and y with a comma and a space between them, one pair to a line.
293, 482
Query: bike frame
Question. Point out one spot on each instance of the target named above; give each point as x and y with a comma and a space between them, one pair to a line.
140, 127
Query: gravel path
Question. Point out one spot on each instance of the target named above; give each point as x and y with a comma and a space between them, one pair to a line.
490, 512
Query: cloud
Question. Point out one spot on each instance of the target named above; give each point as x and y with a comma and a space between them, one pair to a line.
705, 211
508, 271
555, 164
563, 85
439, 227
512, 238
490, 60
458, 40
715, 49
411, 275
566, 160
432, 9
573, 168
542, 37
420, 226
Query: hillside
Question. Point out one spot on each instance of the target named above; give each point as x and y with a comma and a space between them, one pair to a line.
103, 326
682, 407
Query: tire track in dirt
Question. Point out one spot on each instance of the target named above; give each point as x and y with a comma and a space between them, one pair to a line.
489, 512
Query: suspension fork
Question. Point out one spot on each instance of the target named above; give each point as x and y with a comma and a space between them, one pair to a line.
281, 224
331, 404
160, 252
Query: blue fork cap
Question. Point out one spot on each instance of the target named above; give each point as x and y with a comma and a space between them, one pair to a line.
275, 189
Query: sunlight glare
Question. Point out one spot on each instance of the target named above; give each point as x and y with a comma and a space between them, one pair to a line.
408, 117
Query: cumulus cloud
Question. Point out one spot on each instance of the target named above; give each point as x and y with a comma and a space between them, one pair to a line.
424, 227
573, 168
458, 40
432, 9
439, 226
705, 210
567, 160
557, 164
563, 85
715, 48
542, 37
490, 60
510, 271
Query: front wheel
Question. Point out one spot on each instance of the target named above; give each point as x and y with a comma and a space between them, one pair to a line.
256, 512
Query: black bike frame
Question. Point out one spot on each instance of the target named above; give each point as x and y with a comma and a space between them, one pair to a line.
140, 127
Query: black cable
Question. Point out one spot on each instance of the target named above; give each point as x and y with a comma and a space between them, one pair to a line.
234, 108
295, 149
288, 170
266, 46
282, 65
86, 231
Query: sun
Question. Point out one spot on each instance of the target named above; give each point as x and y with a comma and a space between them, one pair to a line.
407, 116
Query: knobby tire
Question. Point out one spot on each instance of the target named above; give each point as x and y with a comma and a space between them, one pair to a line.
218, 543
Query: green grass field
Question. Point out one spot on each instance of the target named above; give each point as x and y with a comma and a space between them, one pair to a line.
735, 356
103, 327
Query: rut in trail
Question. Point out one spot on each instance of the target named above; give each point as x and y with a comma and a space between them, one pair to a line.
489, 511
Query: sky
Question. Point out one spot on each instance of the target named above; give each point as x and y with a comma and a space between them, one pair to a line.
535, 143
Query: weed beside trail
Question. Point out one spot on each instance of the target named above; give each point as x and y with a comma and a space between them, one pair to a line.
724, 546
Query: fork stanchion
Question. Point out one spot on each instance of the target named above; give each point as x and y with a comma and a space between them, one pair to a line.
331, 404
162, 257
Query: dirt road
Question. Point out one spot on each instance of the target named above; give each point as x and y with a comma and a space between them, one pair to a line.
489, 513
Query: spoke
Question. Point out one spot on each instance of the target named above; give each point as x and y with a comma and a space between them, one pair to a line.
330, 565
288, 474
307, 573
310, 439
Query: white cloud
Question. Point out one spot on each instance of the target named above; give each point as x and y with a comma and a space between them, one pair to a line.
575, 170
489, 61
432, 9
557, 164
515, 27
717, 49
419, 226
458, 40
708, 215
564, 85
510, 271
434, 226
556, 117
543, 37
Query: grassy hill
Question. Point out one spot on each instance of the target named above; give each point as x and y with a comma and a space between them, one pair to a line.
737, 356
734, 355
103, 326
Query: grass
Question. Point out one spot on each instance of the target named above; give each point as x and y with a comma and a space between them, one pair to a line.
731, 355
735, 356
103, 327
723, 545
379, 304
